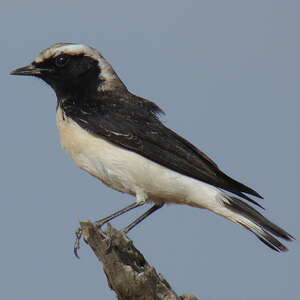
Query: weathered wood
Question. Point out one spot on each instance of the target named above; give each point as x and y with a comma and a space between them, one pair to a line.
127, 271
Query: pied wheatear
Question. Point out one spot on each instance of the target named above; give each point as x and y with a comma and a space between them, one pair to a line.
118, 138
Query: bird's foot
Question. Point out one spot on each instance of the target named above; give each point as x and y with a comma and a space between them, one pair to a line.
108, 240
78, 235
98, 224
105, 234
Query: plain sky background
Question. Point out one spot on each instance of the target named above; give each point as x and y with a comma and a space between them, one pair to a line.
227, 75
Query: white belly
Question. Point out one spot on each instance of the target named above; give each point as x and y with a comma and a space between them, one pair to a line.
129, 172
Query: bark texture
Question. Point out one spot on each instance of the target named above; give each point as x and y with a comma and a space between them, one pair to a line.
127, 271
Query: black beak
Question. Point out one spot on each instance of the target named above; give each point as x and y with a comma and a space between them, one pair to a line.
28, 70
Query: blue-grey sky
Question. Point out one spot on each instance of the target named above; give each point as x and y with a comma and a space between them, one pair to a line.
227, 75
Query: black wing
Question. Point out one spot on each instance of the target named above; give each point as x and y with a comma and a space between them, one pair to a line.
137, 128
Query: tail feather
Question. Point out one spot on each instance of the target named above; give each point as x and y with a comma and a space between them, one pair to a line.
242, 195
238, 188
254, 221
273, 243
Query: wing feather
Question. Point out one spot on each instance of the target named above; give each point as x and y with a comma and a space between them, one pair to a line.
137, 128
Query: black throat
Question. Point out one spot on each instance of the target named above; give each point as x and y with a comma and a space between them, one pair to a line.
80, 91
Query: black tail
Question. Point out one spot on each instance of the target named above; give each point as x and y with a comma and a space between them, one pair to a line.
262, 227
239, 189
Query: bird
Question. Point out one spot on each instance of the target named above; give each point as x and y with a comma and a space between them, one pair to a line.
119, 138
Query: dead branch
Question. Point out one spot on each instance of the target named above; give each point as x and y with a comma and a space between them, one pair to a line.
127, 271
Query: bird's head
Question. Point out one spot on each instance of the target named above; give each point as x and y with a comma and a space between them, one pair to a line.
72, 68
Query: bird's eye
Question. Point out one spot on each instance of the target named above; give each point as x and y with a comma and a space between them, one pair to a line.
61, 61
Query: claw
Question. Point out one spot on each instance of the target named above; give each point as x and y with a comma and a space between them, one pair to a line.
99, 224
108, 240
78, 234
106, 235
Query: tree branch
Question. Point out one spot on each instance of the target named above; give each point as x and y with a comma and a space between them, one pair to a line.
127, 271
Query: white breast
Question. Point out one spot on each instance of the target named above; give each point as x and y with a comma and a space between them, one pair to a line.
127, 171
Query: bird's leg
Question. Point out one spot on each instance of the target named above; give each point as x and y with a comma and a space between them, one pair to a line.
142, 217
101, 222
